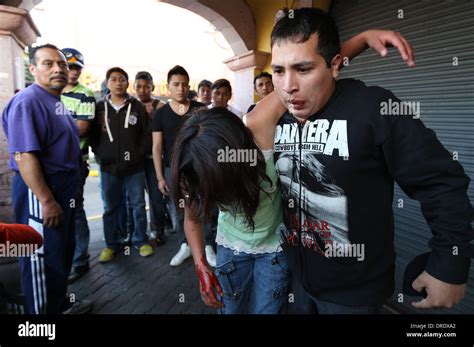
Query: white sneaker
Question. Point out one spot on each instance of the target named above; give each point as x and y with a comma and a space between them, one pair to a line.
210, 256
183, 254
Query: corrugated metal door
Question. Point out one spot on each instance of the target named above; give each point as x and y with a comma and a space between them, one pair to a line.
442, 34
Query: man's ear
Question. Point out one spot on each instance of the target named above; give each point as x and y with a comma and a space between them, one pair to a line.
32, 69
335, 63
152, 87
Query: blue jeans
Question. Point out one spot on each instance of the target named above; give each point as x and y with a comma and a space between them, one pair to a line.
81, 254
125, 215
155, 198
252, 283
177, 214
112, 187
123, 211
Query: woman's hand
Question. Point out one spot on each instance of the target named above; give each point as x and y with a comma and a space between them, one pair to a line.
209, 285
379, 40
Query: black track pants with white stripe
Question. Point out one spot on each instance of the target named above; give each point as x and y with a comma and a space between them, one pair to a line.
44, 274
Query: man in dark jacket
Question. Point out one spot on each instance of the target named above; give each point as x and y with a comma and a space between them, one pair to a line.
339, 150
118, 141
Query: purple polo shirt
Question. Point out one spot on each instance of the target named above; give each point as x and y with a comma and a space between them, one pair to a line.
35, 120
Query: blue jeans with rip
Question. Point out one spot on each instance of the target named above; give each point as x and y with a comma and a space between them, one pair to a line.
251, 283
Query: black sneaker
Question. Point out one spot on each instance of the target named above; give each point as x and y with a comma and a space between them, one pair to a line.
161, 238
126, 241
77, 272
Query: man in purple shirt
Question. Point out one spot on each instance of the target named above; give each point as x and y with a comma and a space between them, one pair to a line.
43, 143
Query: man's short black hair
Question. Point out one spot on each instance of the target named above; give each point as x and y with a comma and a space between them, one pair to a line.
299, 24
192, 94
204, 83
260, 75
177, 70
33, 50
144, 75
221, 83
116, 69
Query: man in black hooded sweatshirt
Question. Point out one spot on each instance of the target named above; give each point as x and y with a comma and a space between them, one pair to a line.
119, 143
338, 152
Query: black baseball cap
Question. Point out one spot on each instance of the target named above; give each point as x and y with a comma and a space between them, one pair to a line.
74, 57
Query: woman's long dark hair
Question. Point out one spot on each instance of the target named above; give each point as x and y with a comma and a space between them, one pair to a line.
203, 179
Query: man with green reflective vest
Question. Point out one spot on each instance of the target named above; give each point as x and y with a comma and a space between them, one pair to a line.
80, 102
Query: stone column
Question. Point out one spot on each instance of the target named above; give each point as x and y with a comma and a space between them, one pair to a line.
244, 66
17, 30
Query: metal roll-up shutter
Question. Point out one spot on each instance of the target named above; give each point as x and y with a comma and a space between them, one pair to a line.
441, 32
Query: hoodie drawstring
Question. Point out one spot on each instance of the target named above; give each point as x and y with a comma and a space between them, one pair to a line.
128, 115
107, 126
107, 122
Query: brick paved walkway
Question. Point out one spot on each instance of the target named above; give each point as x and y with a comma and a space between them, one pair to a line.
137, 285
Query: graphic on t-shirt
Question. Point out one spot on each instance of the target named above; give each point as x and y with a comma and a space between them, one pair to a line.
317, 136
307, 185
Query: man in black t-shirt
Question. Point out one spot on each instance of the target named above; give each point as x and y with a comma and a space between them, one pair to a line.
166, 123
144, 87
